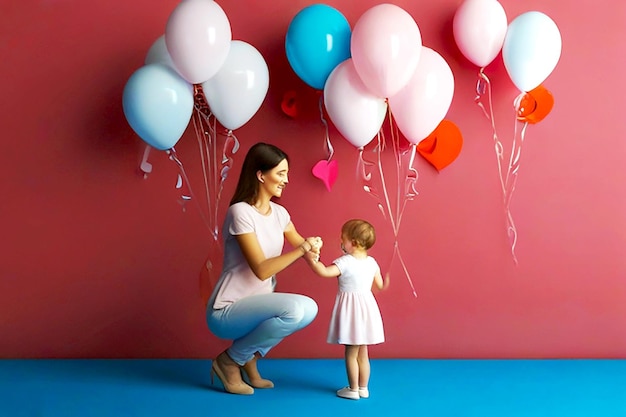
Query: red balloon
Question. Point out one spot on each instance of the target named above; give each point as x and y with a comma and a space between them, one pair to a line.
535, 105
442, 146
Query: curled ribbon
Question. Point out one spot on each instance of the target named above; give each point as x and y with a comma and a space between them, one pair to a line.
483, 87
406, 190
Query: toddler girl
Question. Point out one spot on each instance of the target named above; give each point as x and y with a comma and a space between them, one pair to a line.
356, 321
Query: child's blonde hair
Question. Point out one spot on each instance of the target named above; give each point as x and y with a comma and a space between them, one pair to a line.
360, 232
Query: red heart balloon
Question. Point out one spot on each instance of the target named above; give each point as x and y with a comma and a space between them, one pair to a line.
442, 146
289, 105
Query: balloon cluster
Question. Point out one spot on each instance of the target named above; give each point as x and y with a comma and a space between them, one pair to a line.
196, 72
378, 67
378, 70
196, 49
531, 48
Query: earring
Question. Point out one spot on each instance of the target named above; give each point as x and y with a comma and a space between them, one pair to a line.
261, 180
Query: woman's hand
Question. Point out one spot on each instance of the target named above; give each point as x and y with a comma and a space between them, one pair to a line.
316, 243
311, 248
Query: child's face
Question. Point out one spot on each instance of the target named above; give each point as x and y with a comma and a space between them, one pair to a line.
346, 244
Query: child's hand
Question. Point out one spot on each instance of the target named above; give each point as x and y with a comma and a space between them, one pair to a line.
312, 256
317, 244
386, 281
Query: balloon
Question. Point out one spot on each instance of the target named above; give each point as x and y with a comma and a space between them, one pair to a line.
442, 146
423, 103
531, 50
356, 113
197, 36
318, 39
158, 105
535, 105
157, 54
479, 28
386, 45
238, 89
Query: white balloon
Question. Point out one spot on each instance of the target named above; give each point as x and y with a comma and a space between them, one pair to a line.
479, 27
531, 50
157, 54
356, 112
238, 89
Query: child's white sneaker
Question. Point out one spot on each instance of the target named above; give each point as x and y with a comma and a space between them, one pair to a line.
348, 393
364, 392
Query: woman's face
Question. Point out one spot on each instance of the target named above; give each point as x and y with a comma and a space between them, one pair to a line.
275, 180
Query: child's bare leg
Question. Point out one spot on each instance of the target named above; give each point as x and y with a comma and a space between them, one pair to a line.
352, 366
364, 366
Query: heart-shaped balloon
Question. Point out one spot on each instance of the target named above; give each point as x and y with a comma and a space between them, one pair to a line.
442, 146
289, 104
327, 172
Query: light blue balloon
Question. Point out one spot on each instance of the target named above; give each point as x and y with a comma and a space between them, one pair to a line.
158, 104
318, 39
531, 49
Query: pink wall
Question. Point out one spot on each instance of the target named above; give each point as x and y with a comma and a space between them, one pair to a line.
98, 262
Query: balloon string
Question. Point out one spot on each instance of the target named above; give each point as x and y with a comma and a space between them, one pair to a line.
204, 138
231, 146
366, 177
512, 175
386, 210
483, 86
383, 181
215, 175
402, 195
396, 252
145, 166
328, 144
410, 180
174, 157
395, 135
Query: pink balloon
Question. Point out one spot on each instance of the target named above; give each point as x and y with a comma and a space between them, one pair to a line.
356, 113
423, 103
385, 46
479, 28
198, 36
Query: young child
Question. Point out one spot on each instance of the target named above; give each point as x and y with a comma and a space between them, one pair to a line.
356, 321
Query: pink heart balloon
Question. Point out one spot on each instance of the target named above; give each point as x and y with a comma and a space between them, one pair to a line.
327, 172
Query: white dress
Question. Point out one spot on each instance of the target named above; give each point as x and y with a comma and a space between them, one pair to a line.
356, 318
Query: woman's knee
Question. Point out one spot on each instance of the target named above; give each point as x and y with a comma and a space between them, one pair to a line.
305, 309
310, 309
298, 308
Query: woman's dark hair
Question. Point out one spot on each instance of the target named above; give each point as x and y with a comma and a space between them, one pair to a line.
260, 157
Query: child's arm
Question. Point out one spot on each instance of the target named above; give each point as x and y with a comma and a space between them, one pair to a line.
378, 281
330, 271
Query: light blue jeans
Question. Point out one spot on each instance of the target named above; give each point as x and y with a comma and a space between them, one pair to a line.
259, 322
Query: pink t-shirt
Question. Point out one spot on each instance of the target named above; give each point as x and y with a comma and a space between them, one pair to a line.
237, 279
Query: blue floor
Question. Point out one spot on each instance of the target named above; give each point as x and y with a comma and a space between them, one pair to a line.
480, 388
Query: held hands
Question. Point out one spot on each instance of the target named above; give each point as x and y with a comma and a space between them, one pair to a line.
311, 248
312, 257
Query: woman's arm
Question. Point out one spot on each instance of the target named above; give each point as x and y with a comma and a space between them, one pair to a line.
295, 239
265, 268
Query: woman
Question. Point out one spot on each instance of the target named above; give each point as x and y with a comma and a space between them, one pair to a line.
243, 306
